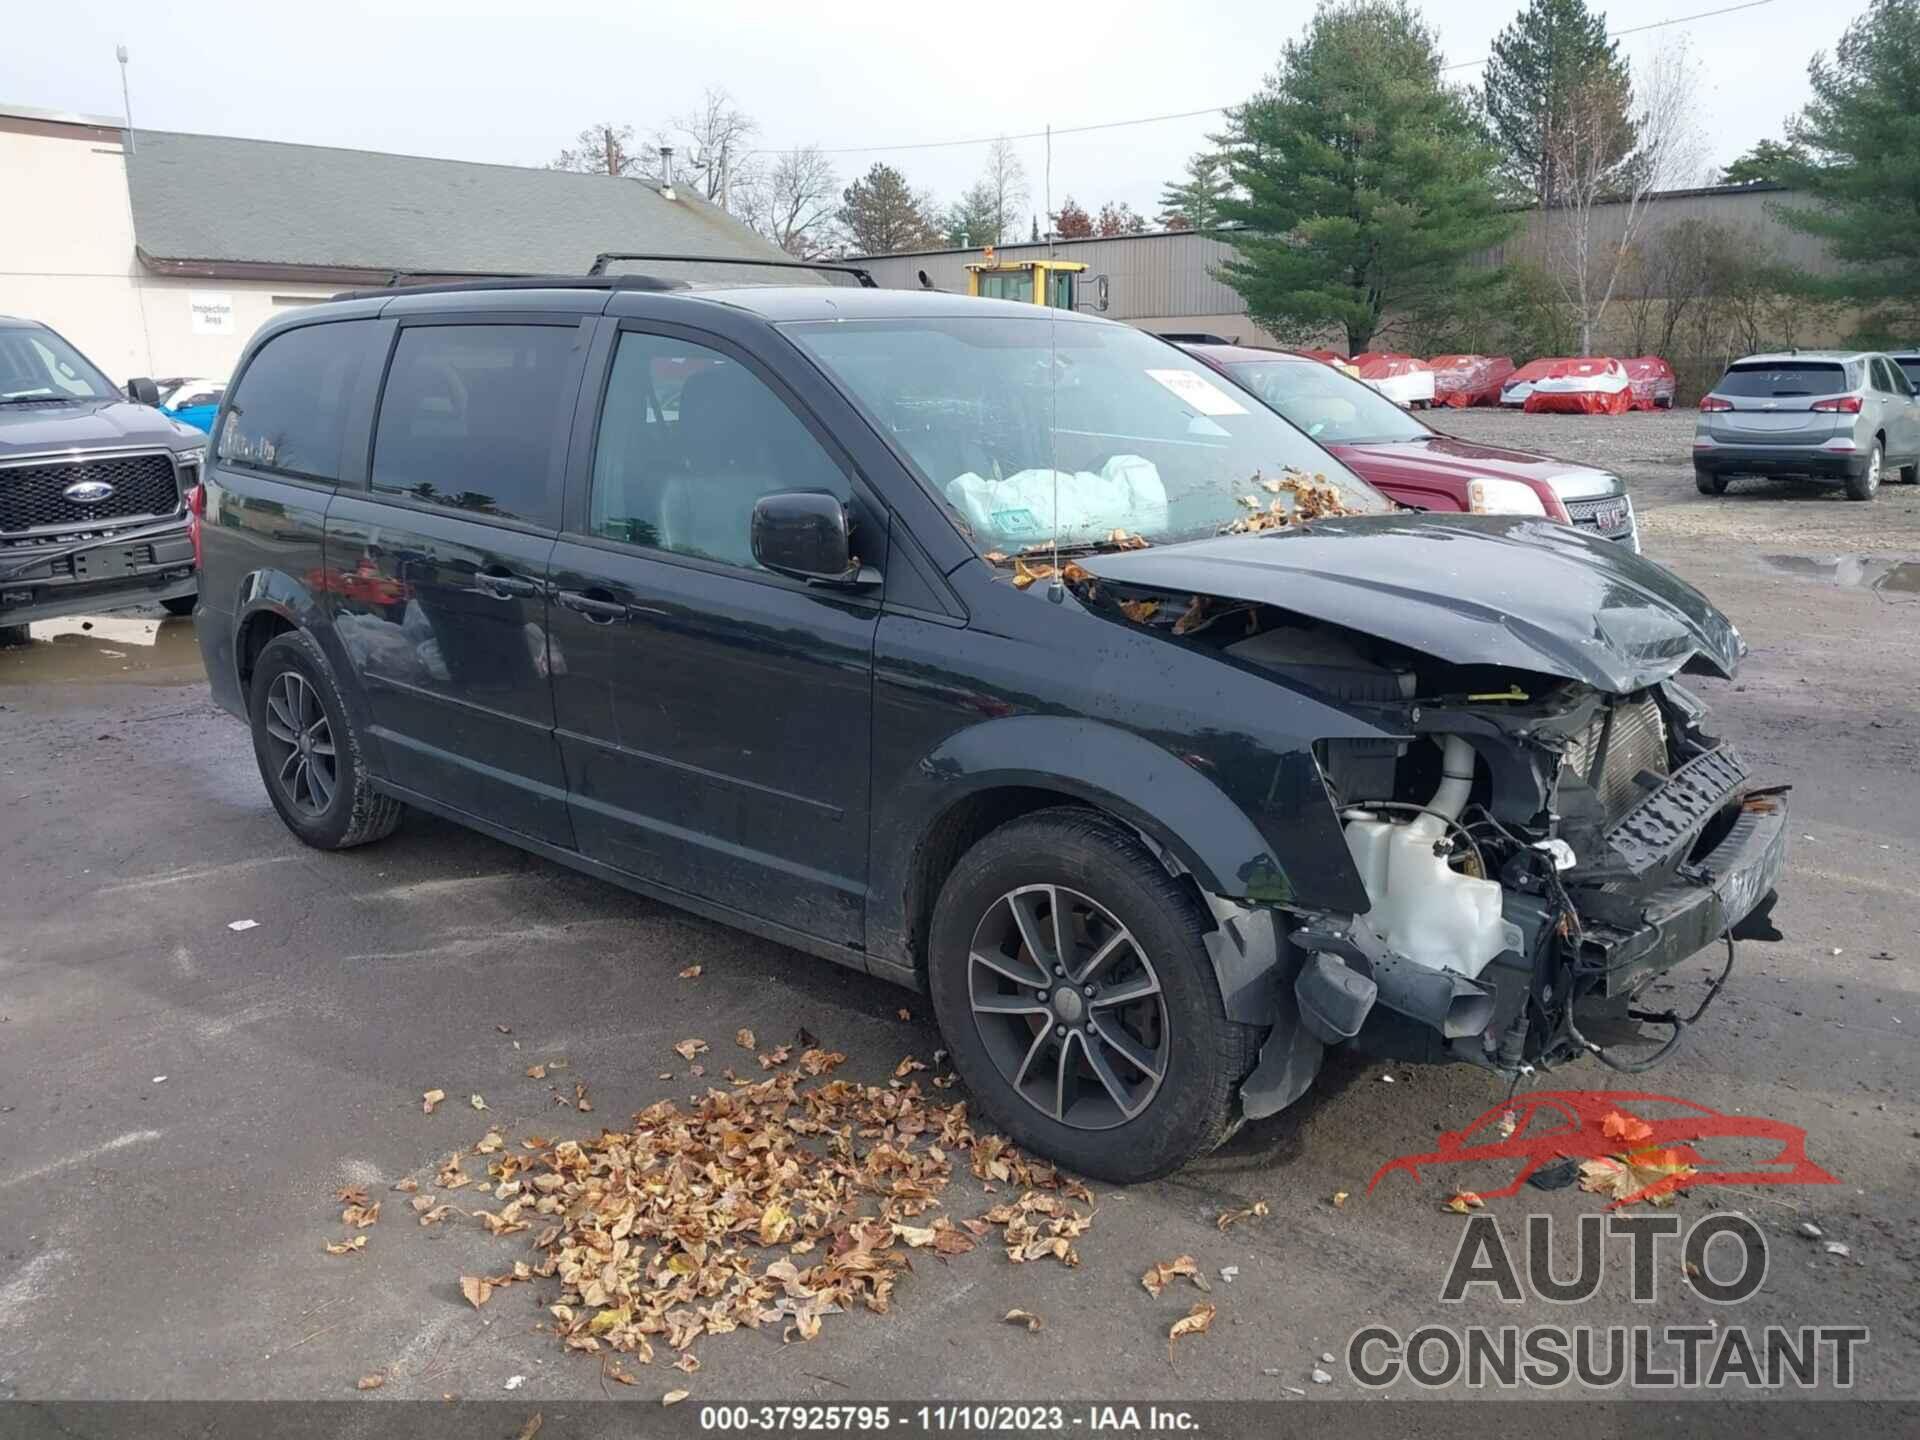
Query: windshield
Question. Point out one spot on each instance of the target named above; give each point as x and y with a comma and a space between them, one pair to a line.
1333, 408
39, 365
1784, 380
1000, 415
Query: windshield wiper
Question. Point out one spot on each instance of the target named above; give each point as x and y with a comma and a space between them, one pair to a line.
48, 399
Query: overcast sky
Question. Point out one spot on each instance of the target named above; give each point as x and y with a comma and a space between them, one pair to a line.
513, 83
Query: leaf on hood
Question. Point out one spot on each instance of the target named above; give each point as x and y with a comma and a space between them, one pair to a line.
361, 1216
1159, 1276
674, 1397
1196, 1321
1629, 1128
743, 1037
1140, 611
477, 1288
369, 1382
1461, 1201
1191, 618
689, 1048
1024, 1317
351, 1194
692, 972
348, 1246
1233, 1217
431, 1099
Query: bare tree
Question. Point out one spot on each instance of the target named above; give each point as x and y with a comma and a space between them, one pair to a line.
602, 149
1592, 225
712, 149
1005, 179
795, 203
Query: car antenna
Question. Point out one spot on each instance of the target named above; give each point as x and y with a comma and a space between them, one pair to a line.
1057, 591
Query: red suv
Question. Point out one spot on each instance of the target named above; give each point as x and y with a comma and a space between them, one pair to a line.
1414, 464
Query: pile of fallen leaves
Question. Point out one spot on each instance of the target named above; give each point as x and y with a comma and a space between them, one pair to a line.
765, 1204
1645, 1173
1313, 499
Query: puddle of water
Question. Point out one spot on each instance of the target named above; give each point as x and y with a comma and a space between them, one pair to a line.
104, 647
1888, 576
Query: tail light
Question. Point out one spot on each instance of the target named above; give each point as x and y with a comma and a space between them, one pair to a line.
196, 511
1714, 402
1840, 404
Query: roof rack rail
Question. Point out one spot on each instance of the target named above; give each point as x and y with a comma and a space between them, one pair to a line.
867, 282
519, 282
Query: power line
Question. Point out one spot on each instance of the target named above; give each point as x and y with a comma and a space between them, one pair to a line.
1209, 110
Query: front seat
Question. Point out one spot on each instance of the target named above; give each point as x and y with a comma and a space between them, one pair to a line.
725, 429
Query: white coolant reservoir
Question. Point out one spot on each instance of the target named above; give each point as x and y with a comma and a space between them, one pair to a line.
1422, 907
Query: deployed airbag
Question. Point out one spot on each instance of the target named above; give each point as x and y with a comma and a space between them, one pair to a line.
1125, 494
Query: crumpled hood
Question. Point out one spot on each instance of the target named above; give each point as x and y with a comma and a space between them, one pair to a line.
34, 429
1469, 589
1462, 460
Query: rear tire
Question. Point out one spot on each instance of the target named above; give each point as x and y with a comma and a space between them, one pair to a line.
1151, 1080
1866, 484
310, 756
1708, 483
180, 604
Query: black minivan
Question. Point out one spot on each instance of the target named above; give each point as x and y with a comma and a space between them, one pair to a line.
1000, 652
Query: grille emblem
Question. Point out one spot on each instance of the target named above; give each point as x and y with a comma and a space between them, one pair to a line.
87, 492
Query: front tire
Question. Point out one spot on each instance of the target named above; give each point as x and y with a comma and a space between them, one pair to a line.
1708, 483
310, 756
1866, 484
1128, 1067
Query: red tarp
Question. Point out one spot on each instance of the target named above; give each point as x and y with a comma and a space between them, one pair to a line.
1463, 380
1651, 380
1384, 364
1590, 385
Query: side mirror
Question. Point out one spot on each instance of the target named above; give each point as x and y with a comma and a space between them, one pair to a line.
805, 534
143, 391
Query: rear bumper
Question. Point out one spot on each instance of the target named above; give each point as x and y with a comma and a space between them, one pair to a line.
1813, 462
132, 568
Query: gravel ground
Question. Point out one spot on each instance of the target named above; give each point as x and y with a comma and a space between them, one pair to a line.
179, 1101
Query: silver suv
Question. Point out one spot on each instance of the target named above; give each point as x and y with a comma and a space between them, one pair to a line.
1840, 416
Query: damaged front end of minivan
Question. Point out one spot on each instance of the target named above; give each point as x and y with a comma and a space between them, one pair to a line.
1544, 824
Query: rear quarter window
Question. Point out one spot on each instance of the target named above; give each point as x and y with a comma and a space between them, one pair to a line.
290, 408
1785, 380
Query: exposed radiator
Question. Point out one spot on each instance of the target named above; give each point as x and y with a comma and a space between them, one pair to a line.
1638, 742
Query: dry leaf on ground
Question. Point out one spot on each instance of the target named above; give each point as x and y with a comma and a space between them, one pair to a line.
406, 1186
351, 1194
776, 1057
1650, 1175
1629, 1128
348, 1246
674, 1397
536, 1072
1024, 1317
1461, 1201
430, 1099
370, 1382
477, 1289
1339, 1199
360, 1216
692, 972
477, 1102
689, 1048
1195, 1322
1163, 1274
1233, 1217
743, 1037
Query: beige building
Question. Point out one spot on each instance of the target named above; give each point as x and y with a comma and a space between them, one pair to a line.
161, 254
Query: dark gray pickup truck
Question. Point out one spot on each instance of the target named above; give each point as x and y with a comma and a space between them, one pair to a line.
94, 487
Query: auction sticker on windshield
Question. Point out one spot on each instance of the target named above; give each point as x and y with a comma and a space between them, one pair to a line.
1199, 392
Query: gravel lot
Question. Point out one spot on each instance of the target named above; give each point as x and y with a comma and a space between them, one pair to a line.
179, 1100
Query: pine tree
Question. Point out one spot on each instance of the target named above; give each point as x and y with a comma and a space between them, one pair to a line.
1552, 50
1193, 203
1363, 178
1767, 163
883, 215
1861, 132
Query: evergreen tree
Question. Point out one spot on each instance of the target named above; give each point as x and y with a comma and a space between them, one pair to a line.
1364, 179
1767, 163
1861, 135
1193, 203
1553, 49
883, 215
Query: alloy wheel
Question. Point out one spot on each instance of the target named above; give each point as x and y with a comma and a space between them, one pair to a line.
1068, 1006
300, 740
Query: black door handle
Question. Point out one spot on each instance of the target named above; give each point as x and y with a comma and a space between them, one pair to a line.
504, 583
595, 607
